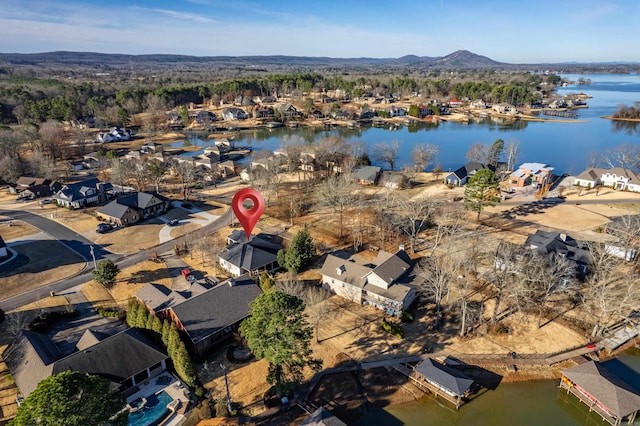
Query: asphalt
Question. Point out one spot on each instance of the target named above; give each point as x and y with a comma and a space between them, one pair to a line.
82, 246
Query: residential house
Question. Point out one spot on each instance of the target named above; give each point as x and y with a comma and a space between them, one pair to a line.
116, 134
125, 359
544, 243
367, 115
205, 118
395, 111
133, 208
81, 194
263, 112
460, 176
233, 114
531, 173
287, 111
251, 257
478, 104
227, 169
266, 100
384, 282
610, 389
224, 144
3, 248
368, 175
173, 119
31, 187
444, 378
504, 108
617, 178
393, 180
308, 161
454, 103
209, 316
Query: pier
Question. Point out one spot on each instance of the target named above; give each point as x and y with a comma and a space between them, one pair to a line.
560, 113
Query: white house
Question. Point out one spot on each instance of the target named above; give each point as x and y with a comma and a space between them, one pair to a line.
617, 178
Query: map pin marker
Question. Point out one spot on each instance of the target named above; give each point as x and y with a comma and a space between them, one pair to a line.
248, 217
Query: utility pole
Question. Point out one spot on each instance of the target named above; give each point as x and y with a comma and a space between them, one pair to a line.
226, 383
95, 267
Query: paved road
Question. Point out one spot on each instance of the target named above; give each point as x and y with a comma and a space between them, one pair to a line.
82, 245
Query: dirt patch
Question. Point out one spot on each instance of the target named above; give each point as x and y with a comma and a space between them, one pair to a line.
13, 229
38, 263
8, 392
133, 278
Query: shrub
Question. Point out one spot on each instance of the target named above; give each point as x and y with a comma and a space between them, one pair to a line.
392, 328
221, 408
406, 316
108, 313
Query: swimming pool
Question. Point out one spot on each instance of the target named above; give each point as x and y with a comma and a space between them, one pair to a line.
154, 410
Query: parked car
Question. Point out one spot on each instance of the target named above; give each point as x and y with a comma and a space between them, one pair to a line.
103, 227
45, 201
174, 222
186, 273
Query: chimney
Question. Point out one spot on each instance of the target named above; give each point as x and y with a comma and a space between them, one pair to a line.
340, 270
401, 247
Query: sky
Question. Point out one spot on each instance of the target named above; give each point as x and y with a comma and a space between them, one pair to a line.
513, 31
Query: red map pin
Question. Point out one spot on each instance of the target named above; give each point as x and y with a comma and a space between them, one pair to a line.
248, 217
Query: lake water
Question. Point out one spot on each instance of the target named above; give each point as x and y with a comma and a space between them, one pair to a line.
527, 403
565, 146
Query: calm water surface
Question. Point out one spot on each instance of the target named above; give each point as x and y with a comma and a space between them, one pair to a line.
528, 403
566, 146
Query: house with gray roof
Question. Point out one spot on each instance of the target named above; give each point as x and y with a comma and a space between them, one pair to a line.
460, 176
617, 178
531, 173
81, 194
444, 378
126, 359
212, 316
545, 243
134, 207
384, 283
368, 175
610, 389
233, 114
251, 257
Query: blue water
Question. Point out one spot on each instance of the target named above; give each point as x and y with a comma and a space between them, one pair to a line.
565, 146
153, 411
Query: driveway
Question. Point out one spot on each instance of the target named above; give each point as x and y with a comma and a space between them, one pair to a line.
206, 219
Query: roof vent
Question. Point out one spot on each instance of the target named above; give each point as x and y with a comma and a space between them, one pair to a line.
340, 270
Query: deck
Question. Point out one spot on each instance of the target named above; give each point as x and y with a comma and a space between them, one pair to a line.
426, 386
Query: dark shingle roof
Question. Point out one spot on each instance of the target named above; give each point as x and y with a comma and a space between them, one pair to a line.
393, 267
159, 297
607, 387
30, 359
116, 358
114, 209
322, 417
543, 242
90, 338
446, 377
248, 256
368, 173
204, 314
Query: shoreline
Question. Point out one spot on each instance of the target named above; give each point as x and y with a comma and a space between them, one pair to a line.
611, 117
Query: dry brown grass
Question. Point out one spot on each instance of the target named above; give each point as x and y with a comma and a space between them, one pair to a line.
18, 229
44, 303
80, 221
130, 239
133, 278
183, 229
98, 295
8, 391
40, 267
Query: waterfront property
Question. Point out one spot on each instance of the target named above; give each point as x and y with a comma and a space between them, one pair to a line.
617, 178
127, 359
383, 282
607, 388
443, 381
460, 176
531, 173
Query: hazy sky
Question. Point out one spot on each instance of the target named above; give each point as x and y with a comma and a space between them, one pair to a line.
515, 31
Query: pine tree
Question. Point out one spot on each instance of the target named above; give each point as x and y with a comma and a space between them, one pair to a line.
166, 327
142, 317
132, 312
481, 191
299, 253
156, 325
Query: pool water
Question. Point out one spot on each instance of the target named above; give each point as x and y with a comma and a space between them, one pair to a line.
153, 410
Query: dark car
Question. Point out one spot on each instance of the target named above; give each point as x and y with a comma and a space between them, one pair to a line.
103, 227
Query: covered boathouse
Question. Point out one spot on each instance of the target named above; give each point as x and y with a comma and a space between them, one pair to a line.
601, 387
444, 381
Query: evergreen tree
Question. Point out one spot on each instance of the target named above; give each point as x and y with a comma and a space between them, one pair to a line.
277, 331
482, 190
156, 325
166, 327
105, 273
142, 317
132, 312
71, 398
299, 253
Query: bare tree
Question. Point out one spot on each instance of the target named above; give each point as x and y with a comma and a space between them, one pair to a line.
51, 135
434, 275
338, 194
157, 173
187, 172
387, 153
139, 169
415, 216
41, 165
423, 154
119, 171
477, 152
625, 155
512, 151
155, 114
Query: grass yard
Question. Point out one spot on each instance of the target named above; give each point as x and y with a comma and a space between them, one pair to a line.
17, 229
38, 263
133, 278
130, 239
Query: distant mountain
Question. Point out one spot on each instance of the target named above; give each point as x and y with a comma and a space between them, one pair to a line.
461, 59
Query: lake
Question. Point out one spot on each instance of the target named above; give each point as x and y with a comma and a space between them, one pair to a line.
565, 146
